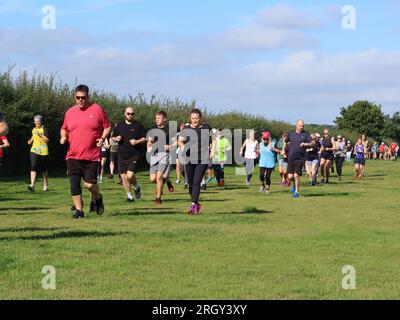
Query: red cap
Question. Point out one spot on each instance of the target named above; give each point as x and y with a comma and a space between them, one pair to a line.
266, 135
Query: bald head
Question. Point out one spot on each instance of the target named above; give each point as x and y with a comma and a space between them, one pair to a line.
129, 115
299, 125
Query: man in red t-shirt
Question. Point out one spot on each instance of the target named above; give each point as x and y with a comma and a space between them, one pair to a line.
85, 127
393, 149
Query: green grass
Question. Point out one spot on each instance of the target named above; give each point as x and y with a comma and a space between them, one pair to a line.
244, 245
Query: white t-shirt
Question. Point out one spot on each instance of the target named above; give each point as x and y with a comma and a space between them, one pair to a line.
251, 149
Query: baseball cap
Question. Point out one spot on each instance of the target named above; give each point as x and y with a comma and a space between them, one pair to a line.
266, 135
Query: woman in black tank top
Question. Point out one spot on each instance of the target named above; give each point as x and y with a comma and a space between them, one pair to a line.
327, 149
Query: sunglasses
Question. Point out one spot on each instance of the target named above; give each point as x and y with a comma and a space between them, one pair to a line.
129, 114
80, 97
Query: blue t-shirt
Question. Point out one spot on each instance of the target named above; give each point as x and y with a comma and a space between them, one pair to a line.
267, 155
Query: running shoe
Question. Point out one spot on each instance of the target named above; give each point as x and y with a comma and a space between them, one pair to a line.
170, 187
130, 200
267, 191
247, 183
221, 183
93, 207
262, 188
73, 208
203, 187
45, 187
293, 189
178, 181
186, 186
191, 209
313, 184
322, 181
110, 176
78, 214
157, 201
138, 193
30, 188
100, 205
296, 195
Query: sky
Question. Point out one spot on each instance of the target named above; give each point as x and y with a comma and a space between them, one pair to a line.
284, 60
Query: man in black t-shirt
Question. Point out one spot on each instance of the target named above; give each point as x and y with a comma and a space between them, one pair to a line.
158, 146
297, 140
129, 134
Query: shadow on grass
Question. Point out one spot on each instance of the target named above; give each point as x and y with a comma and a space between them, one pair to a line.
236, 187
249, 211
30, 229
24, 208
66, 235
332, 194
146, 212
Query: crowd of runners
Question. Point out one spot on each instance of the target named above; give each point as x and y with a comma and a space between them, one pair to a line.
197, 152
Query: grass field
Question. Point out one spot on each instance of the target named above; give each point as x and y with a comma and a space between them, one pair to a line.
244, 245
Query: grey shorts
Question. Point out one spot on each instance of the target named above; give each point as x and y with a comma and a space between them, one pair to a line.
159, 168
282, 164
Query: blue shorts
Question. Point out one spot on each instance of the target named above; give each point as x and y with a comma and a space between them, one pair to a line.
360, 161
310, 163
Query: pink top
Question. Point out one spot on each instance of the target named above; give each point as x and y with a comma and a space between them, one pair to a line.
84, 127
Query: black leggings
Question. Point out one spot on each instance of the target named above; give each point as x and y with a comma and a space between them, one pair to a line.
265, 175
339, 161
219, 172
195, 173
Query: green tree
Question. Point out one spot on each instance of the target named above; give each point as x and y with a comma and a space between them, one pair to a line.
392, 127
362, 117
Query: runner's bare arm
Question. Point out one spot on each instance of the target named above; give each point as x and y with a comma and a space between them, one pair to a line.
64, 136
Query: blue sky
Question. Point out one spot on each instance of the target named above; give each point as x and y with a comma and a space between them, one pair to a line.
282, 59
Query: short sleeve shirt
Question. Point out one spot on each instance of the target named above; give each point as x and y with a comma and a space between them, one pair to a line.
129, 131
295, 139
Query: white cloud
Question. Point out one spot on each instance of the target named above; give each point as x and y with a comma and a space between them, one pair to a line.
285, 16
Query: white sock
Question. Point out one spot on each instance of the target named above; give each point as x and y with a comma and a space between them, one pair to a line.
129, 195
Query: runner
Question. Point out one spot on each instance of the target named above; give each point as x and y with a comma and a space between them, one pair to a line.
105, 153
179, 168
393, 151
349, 150
4, 144
374, 150
298, 140
222, 146
359, 158
327, 149
113, 156
382, 154
282, 161
3, 125
340, 154
39, 153
250, 155
194, 142
85, 127
158, 146
267, 161
129, 134
367, 148
312, 160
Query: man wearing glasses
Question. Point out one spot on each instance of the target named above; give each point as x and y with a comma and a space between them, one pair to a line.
129, 134
85, 128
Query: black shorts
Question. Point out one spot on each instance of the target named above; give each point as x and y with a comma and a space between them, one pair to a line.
83, 168
296, 166
39, 163
327, 155
104, 154
125, 165
114, 156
